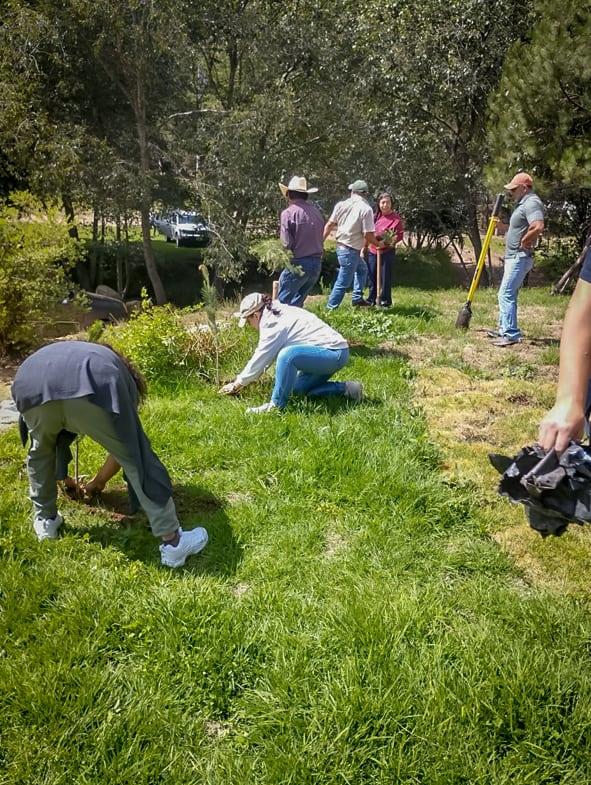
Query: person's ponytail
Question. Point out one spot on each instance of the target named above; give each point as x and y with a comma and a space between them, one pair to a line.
268, 304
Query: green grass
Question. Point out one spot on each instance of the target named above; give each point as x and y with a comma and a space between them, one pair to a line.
351, 621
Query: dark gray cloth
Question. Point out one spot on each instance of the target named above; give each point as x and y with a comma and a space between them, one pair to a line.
555, 490
75, 369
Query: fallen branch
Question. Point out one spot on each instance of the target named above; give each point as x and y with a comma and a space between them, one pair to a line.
573, 271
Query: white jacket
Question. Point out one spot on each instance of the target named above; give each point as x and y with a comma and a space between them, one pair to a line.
293, 326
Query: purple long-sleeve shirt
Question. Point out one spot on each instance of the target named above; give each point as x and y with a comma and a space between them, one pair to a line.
301, 229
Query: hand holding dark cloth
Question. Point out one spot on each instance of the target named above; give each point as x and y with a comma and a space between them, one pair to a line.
555, 490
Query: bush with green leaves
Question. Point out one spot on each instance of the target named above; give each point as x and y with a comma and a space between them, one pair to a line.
556, 256
157, 341
36, 255
271, 254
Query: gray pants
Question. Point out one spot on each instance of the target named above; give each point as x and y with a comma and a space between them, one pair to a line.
81, 416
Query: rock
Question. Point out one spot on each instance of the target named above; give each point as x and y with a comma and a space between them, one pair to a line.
106, 308
8, 413
106, 291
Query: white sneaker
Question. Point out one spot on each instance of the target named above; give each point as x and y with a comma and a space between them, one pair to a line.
266, 407
46, 528
354, 391
190, 543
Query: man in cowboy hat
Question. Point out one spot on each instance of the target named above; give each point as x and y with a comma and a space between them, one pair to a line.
355, 229
526, 225
300, 231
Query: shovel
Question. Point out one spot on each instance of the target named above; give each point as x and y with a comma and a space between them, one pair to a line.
378, 276
465, 314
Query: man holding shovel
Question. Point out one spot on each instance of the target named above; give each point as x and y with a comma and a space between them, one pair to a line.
525, 227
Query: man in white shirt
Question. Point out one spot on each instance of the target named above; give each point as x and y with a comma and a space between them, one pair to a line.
354, 224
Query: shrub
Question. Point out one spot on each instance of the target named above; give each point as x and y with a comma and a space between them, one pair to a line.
556, 256
36, 254
158, 343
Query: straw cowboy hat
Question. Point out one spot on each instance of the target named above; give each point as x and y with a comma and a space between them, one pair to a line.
299, 184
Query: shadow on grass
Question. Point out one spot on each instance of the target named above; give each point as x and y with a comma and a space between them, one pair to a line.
426, 270
361, 350
543, 341
424, 312
132, 535
332, 404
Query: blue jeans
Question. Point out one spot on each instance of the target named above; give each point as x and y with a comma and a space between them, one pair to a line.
352, 270
385, 277
516, 268
306, 369
294, 288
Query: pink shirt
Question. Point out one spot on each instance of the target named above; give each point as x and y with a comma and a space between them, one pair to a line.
393, 222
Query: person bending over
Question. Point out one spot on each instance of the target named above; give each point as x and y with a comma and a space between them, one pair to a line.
86, 388
307, 350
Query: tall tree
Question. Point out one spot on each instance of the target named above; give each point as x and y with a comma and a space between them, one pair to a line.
540, 116
81, 78
429, 70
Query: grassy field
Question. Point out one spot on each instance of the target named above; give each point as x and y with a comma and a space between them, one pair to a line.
368, 610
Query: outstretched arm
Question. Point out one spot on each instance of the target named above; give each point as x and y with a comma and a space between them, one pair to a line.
328, 227
566, 419
109, 469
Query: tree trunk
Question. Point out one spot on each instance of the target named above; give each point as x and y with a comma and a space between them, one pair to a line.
70, 217
159, 292
139, 107
474, 235
219, 284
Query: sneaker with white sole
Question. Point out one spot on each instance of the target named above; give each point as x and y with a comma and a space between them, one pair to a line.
189, 544
47, 528
354, 391
266, 407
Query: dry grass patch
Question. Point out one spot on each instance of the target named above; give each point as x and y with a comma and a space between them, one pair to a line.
471, 416
240, 589
562, 565
334, 544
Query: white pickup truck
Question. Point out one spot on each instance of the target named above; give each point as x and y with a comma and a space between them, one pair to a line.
182, 228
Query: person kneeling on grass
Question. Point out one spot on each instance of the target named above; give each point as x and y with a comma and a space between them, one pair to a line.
307, 350
87, 388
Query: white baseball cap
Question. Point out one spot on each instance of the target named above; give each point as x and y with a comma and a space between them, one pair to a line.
248, 305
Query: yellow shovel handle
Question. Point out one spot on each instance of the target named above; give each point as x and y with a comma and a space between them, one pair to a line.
494, 219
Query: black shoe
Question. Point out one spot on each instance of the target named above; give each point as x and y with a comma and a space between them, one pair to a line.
361, 304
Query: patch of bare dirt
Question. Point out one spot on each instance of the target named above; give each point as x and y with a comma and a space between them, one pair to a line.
216, 729
334, 544
241, 589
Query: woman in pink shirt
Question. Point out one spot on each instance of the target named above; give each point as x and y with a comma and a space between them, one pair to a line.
390, 224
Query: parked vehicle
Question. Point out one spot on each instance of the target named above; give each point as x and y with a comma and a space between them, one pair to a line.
182, 228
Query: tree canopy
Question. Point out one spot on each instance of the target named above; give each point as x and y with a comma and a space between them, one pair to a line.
112, 106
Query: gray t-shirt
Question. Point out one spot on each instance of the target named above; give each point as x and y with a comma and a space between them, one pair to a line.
527, 210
